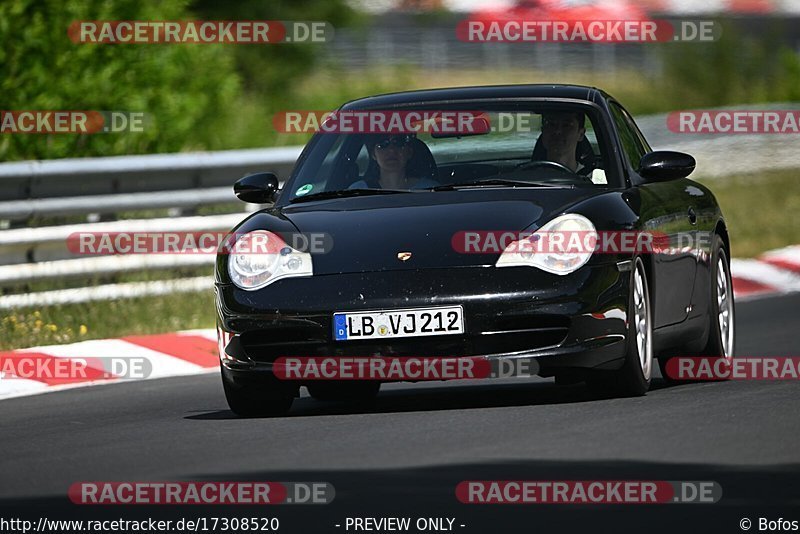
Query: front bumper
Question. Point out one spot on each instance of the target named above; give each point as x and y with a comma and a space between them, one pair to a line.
567, 323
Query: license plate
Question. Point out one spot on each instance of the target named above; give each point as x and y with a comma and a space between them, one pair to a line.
398, 323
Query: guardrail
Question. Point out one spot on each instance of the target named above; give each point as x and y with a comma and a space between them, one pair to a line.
100, 188
106, 185
48, 243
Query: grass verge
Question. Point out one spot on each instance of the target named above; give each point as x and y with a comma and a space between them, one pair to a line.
762, 210
106, 319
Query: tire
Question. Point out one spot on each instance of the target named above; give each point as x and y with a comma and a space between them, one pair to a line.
721, 339
348, 391
721, 312
256, 399
633, 379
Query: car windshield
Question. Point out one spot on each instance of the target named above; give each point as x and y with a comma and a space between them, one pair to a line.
437, 149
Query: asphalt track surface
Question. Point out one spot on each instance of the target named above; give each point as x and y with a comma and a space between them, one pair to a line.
403, 456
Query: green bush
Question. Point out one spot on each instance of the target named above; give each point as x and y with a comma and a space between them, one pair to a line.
184, 90
195, 96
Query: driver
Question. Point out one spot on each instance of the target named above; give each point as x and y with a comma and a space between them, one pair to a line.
561, 132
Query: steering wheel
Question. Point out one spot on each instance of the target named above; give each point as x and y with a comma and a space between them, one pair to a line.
550, 164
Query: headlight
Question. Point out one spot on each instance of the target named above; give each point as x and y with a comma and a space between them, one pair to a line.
260, 258
561, 246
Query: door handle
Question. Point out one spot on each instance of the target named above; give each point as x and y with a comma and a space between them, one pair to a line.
692, 216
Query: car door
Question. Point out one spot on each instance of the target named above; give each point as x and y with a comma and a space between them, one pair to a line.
666, 209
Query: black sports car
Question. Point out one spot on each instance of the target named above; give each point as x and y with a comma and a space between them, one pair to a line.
421, 248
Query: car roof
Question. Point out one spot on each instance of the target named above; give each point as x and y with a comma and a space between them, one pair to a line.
488, 92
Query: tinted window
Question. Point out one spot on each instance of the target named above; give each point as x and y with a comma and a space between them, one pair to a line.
628, 135
513, 147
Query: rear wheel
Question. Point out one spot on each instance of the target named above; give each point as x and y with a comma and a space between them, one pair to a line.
633, 379
349, 391
721, 338
256, 399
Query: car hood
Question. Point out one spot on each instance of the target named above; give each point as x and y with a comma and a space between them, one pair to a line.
368, 233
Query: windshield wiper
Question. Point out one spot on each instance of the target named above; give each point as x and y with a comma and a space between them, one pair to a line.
342, 193
493, 181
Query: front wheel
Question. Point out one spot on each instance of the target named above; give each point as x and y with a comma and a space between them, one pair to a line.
633, 379
256, 399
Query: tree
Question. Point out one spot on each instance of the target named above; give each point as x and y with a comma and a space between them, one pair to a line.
184, 89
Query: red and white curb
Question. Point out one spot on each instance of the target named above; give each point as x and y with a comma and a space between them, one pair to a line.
774, 272
195, 351
184, 353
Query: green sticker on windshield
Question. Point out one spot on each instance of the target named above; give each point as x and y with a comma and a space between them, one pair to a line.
303, 190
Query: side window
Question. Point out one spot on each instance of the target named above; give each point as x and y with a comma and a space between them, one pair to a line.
639, 135
628, 136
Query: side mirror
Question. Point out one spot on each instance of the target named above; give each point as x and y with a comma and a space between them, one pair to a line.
663, 165
259, 188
